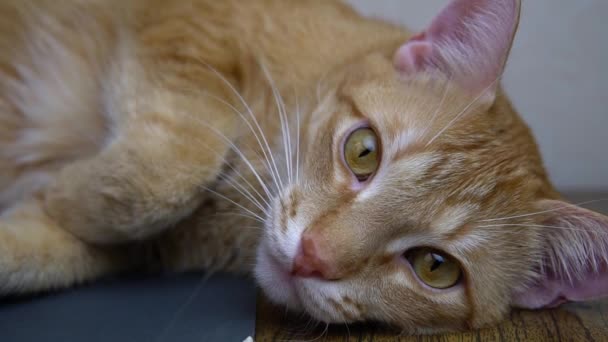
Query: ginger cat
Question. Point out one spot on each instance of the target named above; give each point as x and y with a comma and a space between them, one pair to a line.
367, 173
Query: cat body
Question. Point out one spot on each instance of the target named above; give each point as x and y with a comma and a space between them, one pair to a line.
219, 135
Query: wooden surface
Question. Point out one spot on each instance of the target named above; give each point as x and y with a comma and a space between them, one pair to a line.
581, 322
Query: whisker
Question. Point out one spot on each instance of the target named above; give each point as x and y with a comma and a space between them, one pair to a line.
225, 161
243, 191
322, 335
282, 118
544, 211
233, 202
288, 147
254, 228
439, 107
239, 174
181, 309
255, 134
464, 111
308, 328
265, 211
264, 199
541, 226
236, 150
347, 330
299, 332
239, 214
297, 138
266, 147
233, 147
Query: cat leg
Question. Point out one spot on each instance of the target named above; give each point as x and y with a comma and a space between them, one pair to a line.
147, 178
36, 254
206, 241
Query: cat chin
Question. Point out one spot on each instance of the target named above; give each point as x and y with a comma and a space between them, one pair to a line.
276, 282
283, 289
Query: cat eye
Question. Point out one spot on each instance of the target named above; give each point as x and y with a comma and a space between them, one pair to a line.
361, 153
434, 268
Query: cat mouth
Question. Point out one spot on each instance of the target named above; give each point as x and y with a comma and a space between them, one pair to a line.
283, 274
276, 281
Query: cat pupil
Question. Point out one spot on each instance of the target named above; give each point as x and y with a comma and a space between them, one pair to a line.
364, 153
437, 262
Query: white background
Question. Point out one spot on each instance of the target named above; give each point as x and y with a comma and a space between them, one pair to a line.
557, 78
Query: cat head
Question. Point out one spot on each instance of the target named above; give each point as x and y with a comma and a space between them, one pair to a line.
421, 199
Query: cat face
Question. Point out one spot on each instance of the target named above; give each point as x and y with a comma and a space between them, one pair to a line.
413, 197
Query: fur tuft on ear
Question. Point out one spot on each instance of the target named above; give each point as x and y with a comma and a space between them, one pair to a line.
469, 41
574, 266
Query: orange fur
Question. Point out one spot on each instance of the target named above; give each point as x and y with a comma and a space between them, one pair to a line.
115, 119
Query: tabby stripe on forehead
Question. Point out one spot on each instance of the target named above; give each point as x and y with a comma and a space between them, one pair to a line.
348, 99
459, 232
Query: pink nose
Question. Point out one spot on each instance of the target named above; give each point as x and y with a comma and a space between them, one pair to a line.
310, 261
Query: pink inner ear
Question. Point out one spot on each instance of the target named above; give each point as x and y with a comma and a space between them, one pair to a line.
576, 263
469, 41
553, 292
412, 56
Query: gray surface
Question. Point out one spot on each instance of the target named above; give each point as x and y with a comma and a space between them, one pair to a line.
136, 308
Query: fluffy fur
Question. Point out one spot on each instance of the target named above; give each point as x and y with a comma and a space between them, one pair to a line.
193, 134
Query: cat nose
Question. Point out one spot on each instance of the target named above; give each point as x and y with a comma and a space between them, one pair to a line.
310, 261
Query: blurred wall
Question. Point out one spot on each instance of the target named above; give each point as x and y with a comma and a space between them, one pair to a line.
557, 78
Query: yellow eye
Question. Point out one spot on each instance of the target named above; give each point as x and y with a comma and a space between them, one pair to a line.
434, 268
361, 153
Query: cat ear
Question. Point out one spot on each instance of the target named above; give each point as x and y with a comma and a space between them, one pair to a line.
469, 41
575, 258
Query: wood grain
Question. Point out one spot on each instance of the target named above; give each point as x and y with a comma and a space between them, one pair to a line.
575, 322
